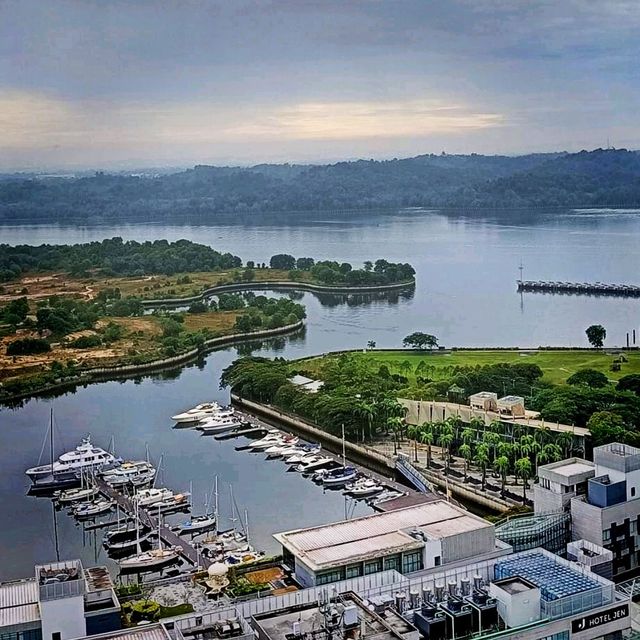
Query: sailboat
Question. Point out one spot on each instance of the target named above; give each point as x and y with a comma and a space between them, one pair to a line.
244, 554
341, 475
83, 492
91, 509
204, 522
152, 559
126, 535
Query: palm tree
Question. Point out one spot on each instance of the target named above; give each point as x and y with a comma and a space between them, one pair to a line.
564, 440
395, 424
445, 439
468, 435
501, 465
505, 450
482, 460
467, 453
367, 412
493, 440
523, 469
427, 436
549, 453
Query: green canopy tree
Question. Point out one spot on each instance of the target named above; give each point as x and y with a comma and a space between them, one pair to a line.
596, 334
419, 340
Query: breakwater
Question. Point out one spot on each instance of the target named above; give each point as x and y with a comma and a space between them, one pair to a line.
274, 284
580, 288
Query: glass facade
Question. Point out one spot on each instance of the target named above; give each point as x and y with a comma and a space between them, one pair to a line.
412, 562
551, 532
31, 634
373, 566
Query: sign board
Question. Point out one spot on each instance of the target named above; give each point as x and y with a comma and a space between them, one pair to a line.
598, 619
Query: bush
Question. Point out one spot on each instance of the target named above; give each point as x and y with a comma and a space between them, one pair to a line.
112, 332
198, 307
28, 346
85, 342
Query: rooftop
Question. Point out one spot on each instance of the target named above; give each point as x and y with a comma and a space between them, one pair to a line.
378, 534
570, 471
484, 394
515, 585
19, 603
511, 400
278, 625
146, 632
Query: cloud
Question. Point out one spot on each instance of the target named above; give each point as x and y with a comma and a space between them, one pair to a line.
32, 120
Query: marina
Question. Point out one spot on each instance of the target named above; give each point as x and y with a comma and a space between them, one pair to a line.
580, 288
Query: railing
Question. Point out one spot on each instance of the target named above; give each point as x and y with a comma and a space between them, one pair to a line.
413, 475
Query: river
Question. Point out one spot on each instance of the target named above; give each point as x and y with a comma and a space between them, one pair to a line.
466, 295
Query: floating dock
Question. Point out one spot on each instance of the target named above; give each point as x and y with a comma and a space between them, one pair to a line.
187, 551
580, 288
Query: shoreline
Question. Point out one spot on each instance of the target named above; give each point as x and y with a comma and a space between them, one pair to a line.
102, 374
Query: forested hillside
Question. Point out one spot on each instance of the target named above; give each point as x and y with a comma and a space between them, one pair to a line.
601, 177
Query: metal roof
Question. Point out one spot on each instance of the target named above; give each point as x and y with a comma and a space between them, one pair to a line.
380, 533
147, 632
19, 615
20, 592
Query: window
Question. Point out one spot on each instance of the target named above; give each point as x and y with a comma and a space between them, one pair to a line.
437, 561
392, 563
412, 562
606, 535
633, 492
328, 576
373, 566
56, 635
354, 571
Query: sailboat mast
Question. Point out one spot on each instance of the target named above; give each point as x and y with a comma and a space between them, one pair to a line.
344, 457
51, 439
159, 528
138, 550
215, 507
246, 525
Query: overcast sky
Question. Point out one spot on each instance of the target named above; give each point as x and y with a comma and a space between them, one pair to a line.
115, 83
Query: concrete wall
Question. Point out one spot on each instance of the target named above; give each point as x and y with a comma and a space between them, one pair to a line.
64, 616
468, 544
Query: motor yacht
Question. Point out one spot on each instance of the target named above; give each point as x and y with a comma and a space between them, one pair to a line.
198, 412
313, 464
364, 488
85, 457
339, 476
216, 425
127, 471
148, 497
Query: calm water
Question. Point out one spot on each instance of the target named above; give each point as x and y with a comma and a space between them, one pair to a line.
467, 268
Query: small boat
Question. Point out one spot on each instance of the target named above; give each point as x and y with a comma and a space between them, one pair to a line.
124, 532
75, 495
149, 560
95, 508
303, 454
143, 478
386, 496
125, 544
339, 476
364, 488
148, 497
198, 412
126, 471
313, 464
214, 426
269, 440
243, 556
177, 501
197, 524
280, 448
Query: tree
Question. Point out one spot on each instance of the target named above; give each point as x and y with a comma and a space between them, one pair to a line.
596, 334
427, 436
282, 261
630, 382
589, 378
419, 340
606, 427
27, 346
445, 440
523, 469
395, 423
501, 465
482, 460
466, 452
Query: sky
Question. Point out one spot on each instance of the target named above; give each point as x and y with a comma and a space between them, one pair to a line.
120, 84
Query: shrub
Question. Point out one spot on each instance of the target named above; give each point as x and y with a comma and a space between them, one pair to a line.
28, 346
85, 342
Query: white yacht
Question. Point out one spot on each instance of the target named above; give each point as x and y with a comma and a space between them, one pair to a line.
313, 464
85, 457
364, 488
128, 471
199, 412
219, 424
147, 497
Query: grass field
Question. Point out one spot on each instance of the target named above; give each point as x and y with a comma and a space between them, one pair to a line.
556, 365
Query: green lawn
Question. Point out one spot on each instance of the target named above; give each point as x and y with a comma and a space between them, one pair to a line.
557, 365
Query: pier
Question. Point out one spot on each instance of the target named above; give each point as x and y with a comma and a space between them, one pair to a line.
580, 288
168, 537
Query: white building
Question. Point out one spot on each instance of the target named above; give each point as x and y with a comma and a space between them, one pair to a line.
603, 498
62, 602
484, 400
405, 540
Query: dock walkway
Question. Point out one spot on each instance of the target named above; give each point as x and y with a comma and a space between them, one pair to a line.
584, 288
168, 537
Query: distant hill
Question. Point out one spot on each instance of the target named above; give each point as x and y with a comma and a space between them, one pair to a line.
589, 178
